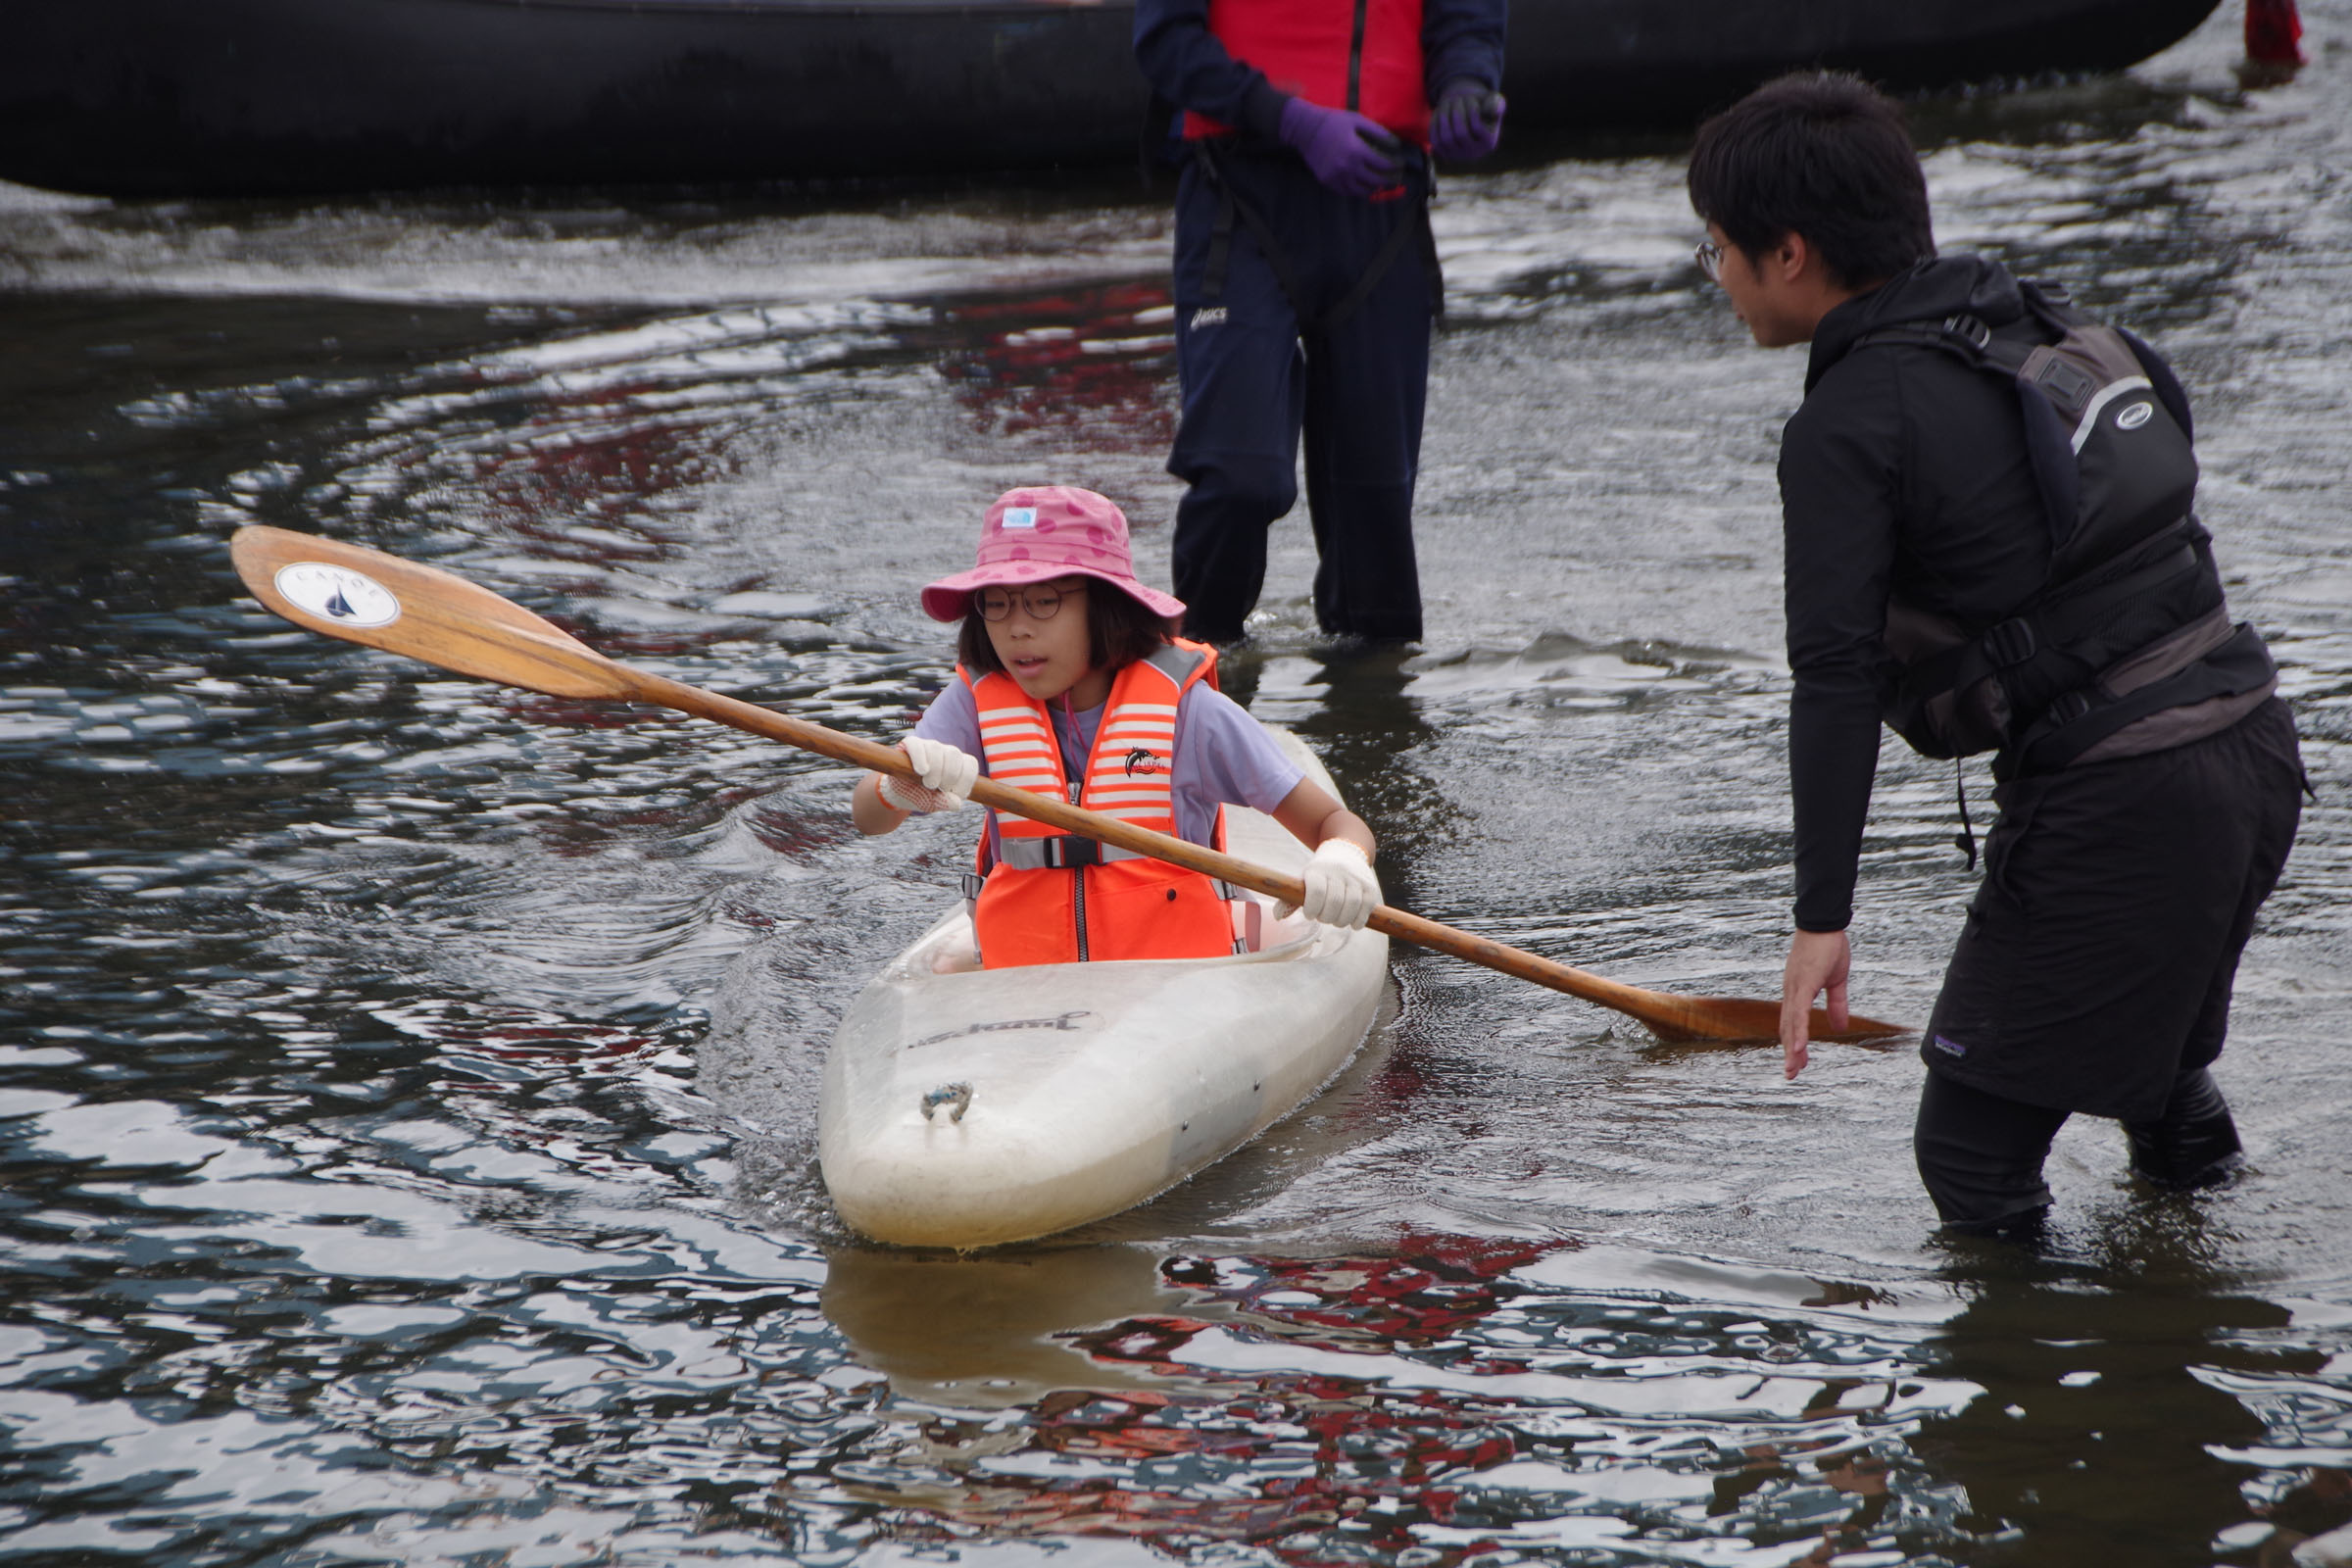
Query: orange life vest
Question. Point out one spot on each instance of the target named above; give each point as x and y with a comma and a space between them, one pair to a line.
1055, 897
1363, 55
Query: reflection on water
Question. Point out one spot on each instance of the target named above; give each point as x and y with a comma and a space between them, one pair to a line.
406, 1086
1451, 1396
1424, 1404
989, 1330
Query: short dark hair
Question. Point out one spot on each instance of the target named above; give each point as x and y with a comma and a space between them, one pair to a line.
1119, 630
1820, 154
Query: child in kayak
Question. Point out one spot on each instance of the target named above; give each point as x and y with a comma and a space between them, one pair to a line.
1070, 681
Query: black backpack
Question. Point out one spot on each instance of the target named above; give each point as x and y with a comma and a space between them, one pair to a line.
2108, 433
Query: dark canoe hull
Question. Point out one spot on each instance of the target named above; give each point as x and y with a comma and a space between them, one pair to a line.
254, 97
1659, 64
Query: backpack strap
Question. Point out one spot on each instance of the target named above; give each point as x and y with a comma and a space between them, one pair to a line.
2068, 616
2049, 442
2074, 723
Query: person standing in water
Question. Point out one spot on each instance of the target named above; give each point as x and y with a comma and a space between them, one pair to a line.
1307, 280
1989, 540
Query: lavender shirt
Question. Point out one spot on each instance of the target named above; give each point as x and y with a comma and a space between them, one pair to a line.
1222, 754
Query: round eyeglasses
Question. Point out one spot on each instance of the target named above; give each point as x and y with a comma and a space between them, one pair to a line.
1710, 259
1042, 601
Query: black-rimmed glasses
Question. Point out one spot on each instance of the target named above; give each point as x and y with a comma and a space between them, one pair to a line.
1042, 601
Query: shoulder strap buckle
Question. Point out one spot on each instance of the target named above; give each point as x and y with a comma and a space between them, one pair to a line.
2012, 642
1969, 330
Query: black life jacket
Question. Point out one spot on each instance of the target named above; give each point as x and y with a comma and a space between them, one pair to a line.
2131, 618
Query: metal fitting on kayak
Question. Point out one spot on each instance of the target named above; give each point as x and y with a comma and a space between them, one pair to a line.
956, 1096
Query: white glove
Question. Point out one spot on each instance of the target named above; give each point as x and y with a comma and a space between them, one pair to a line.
947, 775
1341, 888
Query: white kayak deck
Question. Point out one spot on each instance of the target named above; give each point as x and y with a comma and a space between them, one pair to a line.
965, 1108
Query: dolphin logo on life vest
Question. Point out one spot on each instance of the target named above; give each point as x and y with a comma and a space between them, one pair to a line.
1140, 761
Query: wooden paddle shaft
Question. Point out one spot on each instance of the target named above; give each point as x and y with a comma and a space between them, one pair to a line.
1671, 1016
366, 596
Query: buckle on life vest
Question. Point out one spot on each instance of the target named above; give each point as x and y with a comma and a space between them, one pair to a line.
1063, 852
2010, 643
970, 883
1069, 851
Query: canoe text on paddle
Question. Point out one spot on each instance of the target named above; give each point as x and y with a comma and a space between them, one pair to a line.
445, 621
348, 598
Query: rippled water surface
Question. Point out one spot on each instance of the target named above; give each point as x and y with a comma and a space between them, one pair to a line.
408, 1085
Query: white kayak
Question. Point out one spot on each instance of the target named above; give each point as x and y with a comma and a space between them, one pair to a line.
966, 1108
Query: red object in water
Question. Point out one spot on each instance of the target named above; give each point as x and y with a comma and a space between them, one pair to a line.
2273, 33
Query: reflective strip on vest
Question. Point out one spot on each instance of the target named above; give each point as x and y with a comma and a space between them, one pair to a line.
1131, 774
1021, 751
1131, 771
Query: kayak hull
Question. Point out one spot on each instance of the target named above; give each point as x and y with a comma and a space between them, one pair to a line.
268, 97
975, 1108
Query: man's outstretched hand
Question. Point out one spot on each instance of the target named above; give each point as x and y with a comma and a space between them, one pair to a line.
1818, 962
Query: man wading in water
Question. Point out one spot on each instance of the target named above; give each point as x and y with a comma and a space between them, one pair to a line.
1986, 499
1307, 280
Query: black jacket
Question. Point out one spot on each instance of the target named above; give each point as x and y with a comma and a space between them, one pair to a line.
1905, 472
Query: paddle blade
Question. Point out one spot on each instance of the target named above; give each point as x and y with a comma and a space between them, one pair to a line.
1675, 1018
365, 596
1670, 1015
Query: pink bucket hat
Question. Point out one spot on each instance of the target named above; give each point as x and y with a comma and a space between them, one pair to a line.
1040, 532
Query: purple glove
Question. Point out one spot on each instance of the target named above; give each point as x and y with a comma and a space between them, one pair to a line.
1467, 122
1352, 154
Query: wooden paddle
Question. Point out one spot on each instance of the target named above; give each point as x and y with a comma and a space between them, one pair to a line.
365, 596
